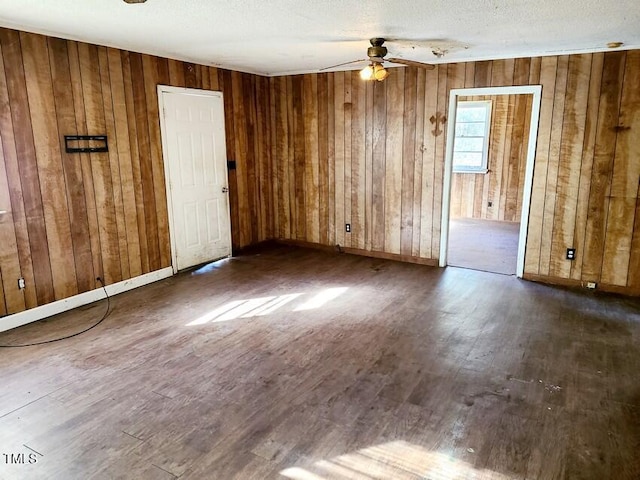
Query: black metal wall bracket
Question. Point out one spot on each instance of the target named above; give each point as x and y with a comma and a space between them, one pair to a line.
72, 143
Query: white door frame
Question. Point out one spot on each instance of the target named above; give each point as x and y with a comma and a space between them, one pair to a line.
536, 91
165, 155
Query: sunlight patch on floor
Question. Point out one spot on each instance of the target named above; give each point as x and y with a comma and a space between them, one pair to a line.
321, 298
261, 306
393, 460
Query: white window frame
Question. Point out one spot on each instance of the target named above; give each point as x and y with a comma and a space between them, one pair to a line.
483, 168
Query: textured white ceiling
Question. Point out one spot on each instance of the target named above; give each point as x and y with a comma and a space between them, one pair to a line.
293, 36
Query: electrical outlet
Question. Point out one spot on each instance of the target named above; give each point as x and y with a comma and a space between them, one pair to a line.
21, 283
592, 285
571, 253
347, 227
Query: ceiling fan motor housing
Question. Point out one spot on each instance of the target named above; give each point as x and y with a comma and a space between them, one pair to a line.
376, 50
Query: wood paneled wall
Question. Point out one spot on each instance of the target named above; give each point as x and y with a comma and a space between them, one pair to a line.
503, 184
368, 154
74, 217
313, 153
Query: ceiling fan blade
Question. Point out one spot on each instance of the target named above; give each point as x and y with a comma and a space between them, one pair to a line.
411, 63
341, 64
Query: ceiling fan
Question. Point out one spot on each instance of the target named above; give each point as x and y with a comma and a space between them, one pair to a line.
375, 70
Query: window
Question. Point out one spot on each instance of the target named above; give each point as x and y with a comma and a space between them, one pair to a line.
471, 143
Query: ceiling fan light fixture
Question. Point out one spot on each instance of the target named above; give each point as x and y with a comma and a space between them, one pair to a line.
367, 73
379, 72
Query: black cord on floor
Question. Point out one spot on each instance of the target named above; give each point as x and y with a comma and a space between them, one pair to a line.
106, 314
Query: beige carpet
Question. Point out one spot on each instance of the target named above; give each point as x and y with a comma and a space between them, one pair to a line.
488, 245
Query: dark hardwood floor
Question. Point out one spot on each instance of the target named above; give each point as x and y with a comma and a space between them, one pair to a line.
300, 364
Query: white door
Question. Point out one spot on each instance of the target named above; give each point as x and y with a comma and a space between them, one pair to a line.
196, 172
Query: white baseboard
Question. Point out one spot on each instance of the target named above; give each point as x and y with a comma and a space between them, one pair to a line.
59, 306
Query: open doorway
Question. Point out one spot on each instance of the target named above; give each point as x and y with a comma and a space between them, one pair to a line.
488, 176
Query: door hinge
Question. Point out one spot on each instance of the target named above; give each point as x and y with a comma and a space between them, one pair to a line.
225, 189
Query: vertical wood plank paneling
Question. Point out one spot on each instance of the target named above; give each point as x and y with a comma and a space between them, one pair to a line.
282, 159
331, 160
85, 160
348, 134
250, 176
75, 217
625, 179
418, 162
483, 73
358, 161
311, 148
214, 78
275, 179
432, 88
394, 159
339, 135
586, 165
127, 183
548, 70
408, 161
300, 158
378, 166
136, 172
116, 181
151, 78
11, 298
554, 160
562, 173
49, 163
28, 167
292, 158
176, 73
323, 159
313, 152
263, 159
503, 175
506, 164
145, 159
523, 146
368, 112
444, 86
608, 111
72, 166
573, 129
21, 263
230, 125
